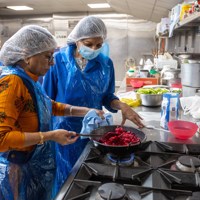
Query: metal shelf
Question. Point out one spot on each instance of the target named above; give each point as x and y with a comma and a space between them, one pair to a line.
186, 24
192, 20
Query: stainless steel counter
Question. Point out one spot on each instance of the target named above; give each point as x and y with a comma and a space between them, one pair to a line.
152, 117
155, 135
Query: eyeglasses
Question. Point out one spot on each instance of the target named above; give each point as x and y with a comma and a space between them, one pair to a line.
47, 56
50, 58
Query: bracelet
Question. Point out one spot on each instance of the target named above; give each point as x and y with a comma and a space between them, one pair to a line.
70, 110
41, 138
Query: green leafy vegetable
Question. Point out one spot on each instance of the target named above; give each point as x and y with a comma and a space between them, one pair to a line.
176, 91
152, 90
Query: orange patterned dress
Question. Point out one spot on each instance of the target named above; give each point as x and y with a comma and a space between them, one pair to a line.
18, 114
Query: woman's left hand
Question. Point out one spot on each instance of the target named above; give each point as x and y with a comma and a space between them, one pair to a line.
130, 114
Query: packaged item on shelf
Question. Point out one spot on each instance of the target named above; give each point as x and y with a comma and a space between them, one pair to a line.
184, 10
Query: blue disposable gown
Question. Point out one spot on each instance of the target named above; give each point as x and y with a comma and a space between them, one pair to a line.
35, 178
92, 87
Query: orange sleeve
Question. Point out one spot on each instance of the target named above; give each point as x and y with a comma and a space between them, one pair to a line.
58, 109
12, 98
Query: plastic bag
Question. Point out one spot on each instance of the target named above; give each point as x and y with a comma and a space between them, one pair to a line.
169, 109
190, 105
131, 102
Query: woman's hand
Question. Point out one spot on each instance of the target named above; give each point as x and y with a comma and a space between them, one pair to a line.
130, 114
64, 137
60, 136
127, 113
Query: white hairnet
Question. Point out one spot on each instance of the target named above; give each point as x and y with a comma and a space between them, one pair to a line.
88, 27
28, 41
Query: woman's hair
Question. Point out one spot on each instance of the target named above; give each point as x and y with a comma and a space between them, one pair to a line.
88, 27
28, 41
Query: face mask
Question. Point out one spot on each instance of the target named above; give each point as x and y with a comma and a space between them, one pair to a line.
89, 53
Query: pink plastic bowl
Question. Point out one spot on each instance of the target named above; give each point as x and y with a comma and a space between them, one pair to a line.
182, 129
136, 84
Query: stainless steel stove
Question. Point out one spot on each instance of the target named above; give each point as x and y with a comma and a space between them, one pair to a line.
156, 171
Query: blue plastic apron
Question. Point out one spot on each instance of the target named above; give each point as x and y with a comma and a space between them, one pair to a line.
30, 176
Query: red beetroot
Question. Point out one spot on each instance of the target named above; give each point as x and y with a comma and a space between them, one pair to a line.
119, 137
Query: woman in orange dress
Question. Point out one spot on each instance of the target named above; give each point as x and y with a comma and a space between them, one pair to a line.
27, 154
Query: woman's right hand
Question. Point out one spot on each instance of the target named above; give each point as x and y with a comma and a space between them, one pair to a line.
64, 137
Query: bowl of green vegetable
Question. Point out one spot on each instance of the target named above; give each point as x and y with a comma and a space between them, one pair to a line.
151, 96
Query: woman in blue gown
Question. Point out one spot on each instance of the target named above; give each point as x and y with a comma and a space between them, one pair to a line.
83, 76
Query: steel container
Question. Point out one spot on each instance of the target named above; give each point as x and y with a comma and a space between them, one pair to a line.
190, 74
151, 99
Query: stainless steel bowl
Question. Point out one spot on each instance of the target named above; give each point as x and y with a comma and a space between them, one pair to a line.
151, 99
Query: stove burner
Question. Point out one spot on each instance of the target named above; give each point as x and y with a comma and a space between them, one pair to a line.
188, 163
121, 161
112, 191
195, 196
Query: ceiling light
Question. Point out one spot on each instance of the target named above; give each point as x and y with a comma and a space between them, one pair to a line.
19, 7
99, 5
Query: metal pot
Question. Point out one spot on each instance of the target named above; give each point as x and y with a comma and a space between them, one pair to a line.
151, 99
182, 58
117, 150
190, 74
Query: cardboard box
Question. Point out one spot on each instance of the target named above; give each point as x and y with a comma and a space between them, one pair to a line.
146, 81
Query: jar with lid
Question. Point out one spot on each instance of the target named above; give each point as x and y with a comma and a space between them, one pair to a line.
131, 73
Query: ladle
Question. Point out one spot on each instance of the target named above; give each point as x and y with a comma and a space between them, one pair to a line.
88, 135
155, 128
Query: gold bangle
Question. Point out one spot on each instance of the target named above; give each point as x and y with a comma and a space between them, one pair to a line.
41, 138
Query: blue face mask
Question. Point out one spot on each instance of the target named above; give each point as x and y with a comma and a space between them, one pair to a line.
89, 53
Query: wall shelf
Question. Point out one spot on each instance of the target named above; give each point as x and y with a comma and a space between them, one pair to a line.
192, 20
186, 24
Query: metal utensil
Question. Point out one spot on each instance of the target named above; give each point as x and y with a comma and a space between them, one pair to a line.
88, 135
151, 99
155, 128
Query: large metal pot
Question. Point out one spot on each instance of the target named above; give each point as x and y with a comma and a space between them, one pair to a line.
117, 150
151, 99
182, 58
190, 74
